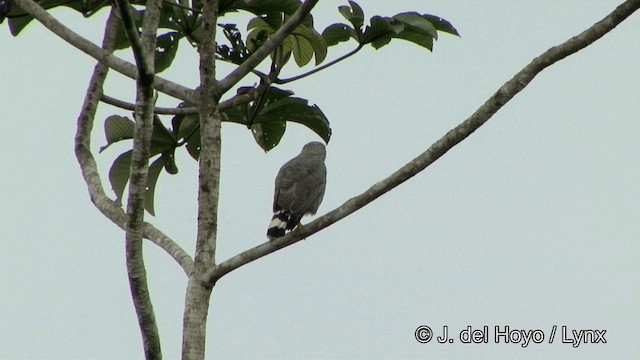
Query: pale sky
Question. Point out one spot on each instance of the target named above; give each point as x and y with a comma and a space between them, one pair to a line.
530, 223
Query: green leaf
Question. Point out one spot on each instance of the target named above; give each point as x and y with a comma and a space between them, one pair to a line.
269, 134
316, 41
119, 174
189, 131
152, 179
301, 48
297, 110
162, 139
166, 49
416, 21
274, 94
170, 165
410, 26
193, 145
18, 19
304, 42
236, 52
161, 134
122, 41
119, 177
266, 117
176, 18
260, 30
337, 33
237, 114
379, 33
87, 7
353, 14
441, 24
117, 128
259, 23
416, 29
17, 24
416, 37
186, 125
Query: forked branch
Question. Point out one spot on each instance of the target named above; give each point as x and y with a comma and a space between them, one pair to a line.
89, 168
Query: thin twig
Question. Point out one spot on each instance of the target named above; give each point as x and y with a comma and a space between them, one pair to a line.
505, 93
320, 68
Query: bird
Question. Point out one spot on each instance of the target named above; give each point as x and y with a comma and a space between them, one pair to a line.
299, 189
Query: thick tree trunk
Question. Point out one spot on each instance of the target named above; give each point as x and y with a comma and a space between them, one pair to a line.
195, 320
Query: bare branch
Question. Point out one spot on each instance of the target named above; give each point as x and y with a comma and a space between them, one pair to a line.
106, 206
505, 93
272, 43
156, 236
158, 110
198, 294
320, 68
209, 162
144, 50
105, 57
239, 99
131, 31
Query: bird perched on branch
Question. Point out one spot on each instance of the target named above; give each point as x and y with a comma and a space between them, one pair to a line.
299, 188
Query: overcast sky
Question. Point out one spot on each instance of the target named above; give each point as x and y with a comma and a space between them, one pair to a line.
530, 223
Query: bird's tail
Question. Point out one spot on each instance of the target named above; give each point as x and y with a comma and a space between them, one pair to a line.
280, 222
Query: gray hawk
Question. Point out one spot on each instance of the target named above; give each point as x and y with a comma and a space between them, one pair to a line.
299, 188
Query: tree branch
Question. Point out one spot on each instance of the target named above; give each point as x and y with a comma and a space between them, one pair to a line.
143, 50
269, 46
505, 93
209, 162
320, 68
198, 294
89, 168
131, 31
238, 99
158, 110
91, 49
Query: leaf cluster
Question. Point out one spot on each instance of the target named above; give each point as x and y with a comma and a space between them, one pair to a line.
264, 108
266, 118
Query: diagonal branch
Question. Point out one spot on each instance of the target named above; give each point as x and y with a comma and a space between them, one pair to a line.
320, 68
505, 93
267, 48
105, 57
89, 168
